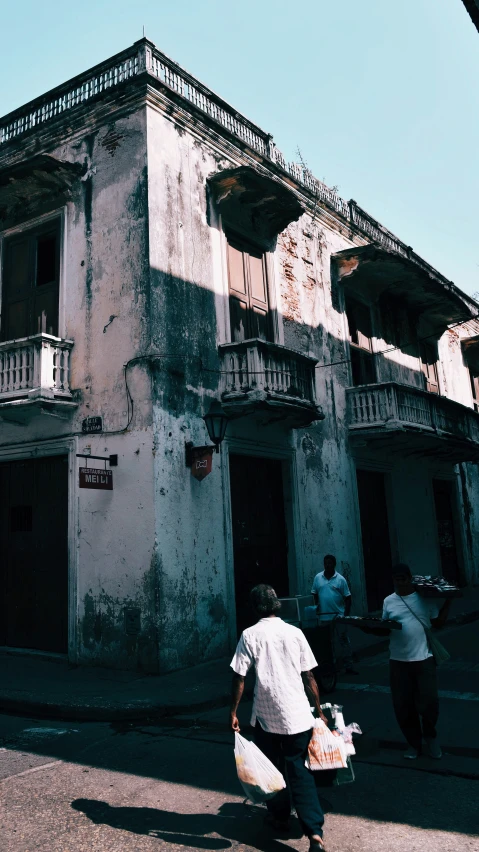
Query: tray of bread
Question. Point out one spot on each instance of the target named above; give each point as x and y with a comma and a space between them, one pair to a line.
435, 587
369, 621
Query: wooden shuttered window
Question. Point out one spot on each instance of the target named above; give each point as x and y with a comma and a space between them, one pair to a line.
428, 351
30, 283
248, 291
474, 375
360, 333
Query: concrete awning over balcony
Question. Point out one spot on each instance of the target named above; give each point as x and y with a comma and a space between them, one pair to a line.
269, 204
373, 272
28, 184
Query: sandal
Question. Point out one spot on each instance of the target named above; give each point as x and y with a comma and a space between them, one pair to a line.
316, 844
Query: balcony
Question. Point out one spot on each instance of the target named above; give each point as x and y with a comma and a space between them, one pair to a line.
408, 420
35, 377
268, 379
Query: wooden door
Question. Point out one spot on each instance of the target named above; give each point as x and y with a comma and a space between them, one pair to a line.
260, 541
375, 537
34, 553
444, 503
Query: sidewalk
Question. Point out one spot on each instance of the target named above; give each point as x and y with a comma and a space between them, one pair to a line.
32, 686
54, 689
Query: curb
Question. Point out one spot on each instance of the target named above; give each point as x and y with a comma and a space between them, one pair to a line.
154, 712
89, 713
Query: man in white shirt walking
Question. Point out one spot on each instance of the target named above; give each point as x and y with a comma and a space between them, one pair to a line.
282, 719
332, 597
412, 667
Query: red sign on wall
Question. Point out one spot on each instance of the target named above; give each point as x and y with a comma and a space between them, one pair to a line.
92, 477
201, 462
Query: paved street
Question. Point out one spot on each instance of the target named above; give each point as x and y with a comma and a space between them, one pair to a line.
100, 788
68, 787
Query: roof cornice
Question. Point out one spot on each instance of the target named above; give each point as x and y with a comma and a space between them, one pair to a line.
143, 62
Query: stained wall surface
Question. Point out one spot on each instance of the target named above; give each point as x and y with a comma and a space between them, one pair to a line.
145, 299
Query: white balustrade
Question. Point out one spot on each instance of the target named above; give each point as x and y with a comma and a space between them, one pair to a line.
144, 57
263, 366
392, 405
42, 110
37, 366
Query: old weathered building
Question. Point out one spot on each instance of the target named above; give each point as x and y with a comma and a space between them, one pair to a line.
472, 7
158, 255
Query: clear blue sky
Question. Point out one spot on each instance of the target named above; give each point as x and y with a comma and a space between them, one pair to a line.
380, 96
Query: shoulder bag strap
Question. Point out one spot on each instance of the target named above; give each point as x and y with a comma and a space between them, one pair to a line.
437, 649
424, 626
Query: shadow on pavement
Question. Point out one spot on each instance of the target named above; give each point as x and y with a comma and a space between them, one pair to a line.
235, 823
407, 797
380, 794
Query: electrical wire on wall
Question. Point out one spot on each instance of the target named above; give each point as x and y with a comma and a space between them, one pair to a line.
152, 356
204, 369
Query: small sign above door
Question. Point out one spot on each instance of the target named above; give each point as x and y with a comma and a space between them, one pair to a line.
92, 477
201, 462
92, 424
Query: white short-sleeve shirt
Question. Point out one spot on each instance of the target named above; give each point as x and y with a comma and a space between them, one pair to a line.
332, 595
279, 653
409, 644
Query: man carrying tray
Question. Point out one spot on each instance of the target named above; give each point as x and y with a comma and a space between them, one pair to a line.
412, 667
282, 718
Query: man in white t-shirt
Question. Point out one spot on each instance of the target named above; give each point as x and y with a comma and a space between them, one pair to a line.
332, 597
412, 667
282, 718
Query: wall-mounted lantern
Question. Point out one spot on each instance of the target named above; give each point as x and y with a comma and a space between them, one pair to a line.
216, 422
199, 459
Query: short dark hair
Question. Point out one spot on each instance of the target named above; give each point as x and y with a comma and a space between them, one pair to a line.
264, 600
401, 568
330, 556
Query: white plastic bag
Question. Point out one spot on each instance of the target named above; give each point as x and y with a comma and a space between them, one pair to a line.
258, 776
326, 750
347, 735
346, 731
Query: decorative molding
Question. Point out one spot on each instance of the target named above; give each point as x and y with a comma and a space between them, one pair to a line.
143, 58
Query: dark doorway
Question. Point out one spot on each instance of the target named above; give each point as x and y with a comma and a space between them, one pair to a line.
375, 536
444, 504
34, 554
260, 540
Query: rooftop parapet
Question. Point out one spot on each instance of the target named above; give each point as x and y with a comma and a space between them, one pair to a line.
143, 58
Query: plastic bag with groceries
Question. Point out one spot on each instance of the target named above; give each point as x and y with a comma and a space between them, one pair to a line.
326, 750
257, 775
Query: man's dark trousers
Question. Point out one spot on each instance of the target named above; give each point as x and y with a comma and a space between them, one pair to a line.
288, 753
415, 698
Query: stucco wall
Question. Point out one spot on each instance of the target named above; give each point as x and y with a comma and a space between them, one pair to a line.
189, 523
144, 277
104, 309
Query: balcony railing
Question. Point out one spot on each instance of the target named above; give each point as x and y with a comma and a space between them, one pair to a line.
35, 367
144, 58
260, 373
395, 406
